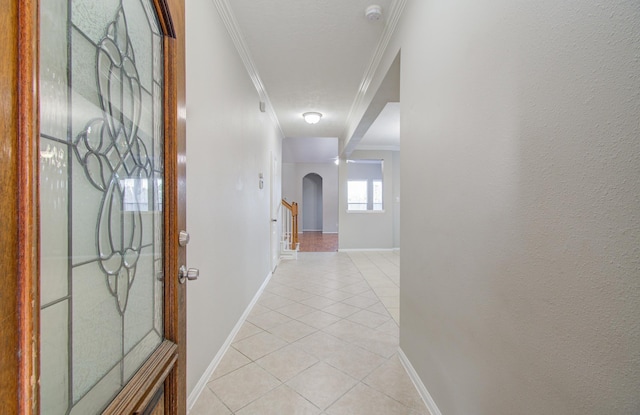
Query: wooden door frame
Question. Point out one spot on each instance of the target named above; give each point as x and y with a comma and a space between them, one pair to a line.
19, 212
19, 207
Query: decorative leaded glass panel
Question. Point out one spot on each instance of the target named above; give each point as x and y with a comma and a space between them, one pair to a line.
53, 70
101, 167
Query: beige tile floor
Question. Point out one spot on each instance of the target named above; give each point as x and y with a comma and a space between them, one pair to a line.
322, 340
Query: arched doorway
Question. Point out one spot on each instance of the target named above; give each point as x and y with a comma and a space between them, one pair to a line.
312, 203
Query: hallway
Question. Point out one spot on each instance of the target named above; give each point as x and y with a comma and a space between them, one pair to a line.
322, 339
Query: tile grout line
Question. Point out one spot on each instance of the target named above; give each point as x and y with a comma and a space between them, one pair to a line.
286, 283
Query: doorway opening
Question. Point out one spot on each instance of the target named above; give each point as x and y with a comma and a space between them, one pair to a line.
313, 239
312, 203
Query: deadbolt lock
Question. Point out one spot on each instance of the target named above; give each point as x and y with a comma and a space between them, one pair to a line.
183, 238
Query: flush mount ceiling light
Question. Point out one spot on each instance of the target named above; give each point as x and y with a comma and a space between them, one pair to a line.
312, 117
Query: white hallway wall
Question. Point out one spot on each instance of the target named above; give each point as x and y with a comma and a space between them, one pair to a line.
520, 285
292, 174
372, 230
228, 144
395, 199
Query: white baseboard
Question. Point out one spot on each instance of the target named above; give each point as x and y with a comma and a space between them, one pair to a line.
422, 390
202, 383
368, 250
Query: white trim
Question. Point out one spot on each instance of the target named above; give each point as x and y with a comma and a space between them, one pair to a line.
274, 269
230, 22
202, 383
375, 147
335, 233
368, 250
365, 211
417, 382
396, 7
289, 253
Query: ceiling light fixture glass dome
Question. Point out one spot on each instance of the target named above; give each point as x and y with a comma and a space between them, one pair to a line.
312, 117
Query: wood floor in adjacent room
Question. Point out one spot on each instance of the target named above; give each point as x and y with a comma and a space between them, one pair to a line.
318, 242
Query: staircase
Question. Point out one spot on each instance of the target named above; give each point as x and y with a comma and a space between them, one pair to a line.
289, 244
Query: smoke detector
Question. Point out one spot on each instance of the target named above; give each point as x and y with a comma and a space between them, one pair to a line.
373, 13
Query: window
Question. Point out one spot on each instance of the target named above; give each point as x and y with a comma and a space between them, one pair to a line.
364, 185
377, 195
357, 195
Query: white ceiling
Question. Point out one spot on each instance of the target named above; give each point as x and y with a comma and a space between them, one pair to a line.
384, 133
309, 55
310, 150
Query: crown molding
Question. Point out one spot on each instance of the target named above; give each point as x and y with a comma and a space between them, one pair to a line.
230, 22
375, 147
392, 22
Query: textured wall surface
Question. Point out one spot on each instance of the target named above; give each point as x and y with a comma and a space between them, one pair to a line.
292, 175
229, 142
368, 230
395, 199
520, 285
